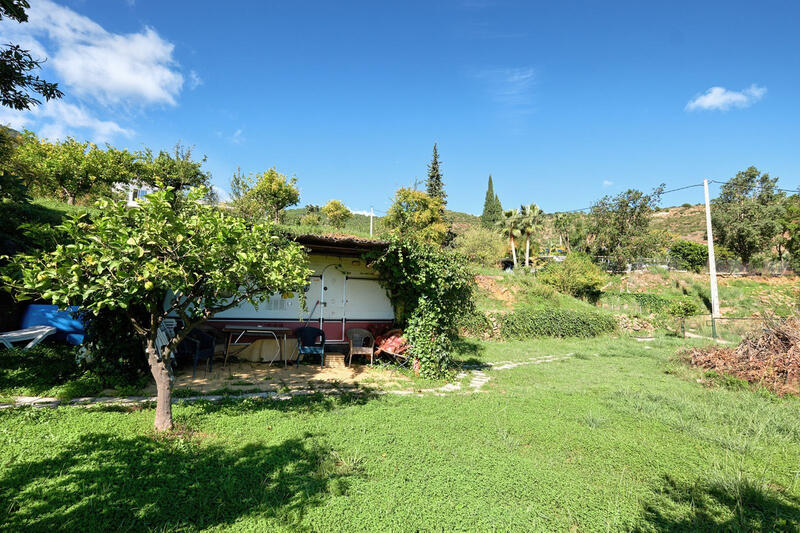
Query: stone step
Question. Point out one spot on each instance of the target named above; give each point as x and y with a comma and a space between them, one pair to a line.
334, 360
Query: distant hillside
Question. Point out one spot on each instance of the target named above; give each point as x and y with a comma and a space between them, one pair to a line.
462, 221
686, 222
359, 224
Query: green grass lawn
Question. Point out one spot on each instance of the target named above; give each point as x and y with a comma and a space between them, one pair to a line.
617, 437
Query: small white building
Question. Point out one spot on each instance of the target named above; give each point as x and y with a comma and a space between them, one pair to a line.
342, 293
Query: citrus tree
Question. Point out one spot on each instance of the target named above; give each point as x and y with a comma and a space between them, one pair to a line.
417, 215
338, 214
178, 169
70, 169
263, 195
184, 260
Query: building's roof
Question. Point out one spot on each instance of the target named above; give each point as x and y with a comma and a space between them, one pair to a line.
337, 244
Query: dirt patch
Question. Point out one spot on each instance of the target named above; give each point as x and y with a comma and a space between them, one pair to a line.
262, 377
771, 358
645, 281
490, 285
769, 280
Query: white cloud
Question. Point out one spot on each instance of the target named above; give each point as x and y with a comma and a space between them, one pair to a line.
237, 138
721, 99
607, 183
100, 71
512, 87
194, 80
222, 194
57, 119
60, 119
14, 119
136, 68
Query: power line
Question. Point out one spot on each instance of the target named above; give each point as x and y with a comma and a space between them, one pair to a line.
663, 192
683, 188
668, 191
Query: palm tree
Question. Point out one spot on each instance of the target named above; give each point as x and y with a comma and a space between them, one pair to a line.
561, 223
509, 226
531, 219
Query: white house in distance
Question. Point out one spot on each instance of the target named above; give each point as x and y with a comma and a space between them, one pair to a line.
343, 293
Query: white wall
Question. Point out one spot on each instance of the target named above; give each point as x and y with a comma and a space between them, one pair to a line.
363, 299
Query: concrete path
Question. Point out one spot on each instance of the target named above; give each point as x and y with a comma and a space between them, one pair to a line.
477, 379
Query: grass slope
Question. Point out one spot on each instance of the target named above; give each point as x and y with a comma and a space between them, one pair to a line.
615, 438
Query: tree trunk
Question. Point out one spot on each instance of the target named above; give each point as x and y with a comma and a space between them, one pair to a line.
162, 373
514, 252
527, 252
69, 195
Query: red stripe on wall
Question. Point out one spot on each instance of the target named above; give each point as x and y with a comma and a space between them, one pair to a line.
332, 328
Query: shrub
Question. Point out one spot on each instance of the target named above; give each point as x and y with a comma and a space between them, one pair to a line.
555, 323
88, 384
652, 302
476, 324
113, 348
682, 309
37, 369
689, 255
576, 275
311, 219
480, 246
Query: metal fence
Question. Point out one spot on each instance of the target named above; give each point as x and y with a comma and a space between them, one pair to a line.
732, 267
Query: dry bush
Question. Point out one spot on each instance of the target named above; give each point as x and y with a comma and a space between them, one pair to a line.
771, 358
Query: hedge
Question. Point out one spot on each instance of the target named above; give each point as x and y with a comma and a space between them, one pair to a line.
555, 323
653, 302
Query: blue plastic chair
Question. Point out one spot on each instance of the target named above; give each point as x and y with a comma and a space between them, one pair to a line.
69, 328
307, 343
199, 346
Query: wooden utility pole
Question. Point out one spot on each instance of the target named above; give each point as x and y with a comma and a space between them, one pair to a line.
712, 266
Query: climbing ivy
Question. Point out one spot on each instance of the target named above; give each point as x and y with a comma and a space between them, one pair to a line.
430, 289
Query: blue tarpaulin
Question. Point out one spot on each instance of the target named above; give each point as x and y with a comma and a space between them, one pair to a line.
70, 329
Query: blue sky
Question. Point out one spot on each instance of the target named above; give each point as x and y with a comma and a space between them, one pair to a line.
562, 102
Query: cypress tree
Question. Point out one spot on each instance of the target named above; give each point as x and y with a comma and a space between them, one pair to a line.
435, 182
492, 210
